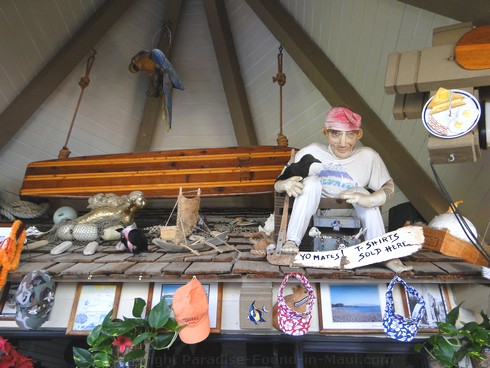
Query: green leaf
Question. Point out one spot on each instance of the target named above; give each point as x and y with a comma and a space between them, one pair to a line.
143, 337
164, 341
82, 357
94, 335
172, 325
446, 347
445, 356
139, 305
418, 347
486, 321
447, 329
134, 354
102, 360
159, 315
481, 337
453, 315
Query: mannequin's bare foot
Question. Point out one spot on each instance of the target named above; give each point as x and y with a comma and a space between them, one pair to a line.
289, 247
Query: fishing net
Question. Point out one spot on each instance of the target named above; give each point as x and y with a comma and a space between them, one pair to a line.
187, 216
79, 233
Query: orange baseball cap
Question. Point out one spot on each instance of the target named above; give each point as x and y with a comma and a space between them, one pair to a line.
190, 307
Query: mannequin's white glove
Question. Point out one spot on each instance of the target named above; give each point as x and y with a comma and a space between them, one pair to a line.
375, 199
292, 186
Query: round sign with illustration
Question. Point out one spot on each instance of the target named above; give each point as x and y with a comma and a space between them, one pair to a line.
451, 113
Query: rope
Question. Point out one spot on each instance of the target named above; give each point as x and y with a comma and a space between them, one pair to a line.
280, 78
83, 83
459, 217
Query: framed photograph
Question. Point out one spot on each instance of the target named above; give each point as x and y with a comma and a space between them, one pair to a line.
5, 230
7, 301
351, 308
437, 305
214, 291
92, 303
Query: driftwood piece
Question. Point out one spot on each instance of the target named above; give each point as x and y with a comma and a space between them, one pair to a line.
396, 244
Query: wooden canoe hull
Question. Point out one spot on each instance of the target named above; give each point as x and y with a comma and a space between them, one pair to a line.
217, 171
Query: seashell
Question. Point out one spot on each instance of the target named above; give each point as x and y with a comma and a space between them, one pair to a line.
90, 248
111, 233
85, 232
61, 248
65, 231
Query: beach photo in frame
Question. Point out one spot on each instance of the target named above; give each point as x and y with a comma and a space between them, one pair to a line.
353, 308
7, 301
92, 303
437, 305
214, 291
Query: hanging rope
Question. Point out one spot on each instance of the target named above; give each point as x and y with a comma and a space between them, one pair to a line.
280, 78
84, 82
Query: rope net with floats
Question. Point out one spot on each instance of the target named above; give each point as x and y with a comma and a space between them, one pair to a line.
280, 78
83, 83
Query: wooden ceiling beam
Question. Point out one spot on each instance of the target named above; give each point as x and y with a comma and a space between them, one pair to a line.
475, 11
152, 111
59, 67
322, 72
231, 78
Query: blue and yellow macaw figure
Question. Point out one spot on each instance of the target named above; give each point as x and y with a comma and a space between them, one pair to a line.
163, 76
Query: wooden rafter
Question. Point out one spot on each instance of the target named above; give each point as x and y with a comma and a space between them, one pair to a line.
230, 73
152, 110
475, 11
322, 72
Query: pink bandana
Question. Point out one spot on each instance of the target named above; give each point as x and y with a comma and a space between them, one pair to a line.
342, 119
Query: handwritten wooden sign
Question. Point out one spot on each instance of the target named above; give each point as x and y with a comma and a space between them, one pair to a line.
395, 244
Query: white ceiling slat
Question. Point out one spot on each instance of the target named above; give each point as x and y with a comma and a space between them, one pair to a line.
345, 37
32, 39
317, 19
331, 42
26, 55
355, 45
364, 53
12, 54
390, 17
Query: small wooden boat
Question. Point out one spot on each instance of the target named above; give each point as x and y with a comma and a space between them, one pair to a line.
217, 171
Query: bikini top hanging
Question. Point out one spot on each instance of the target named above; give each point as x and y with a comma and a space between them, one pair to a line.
397, 326
290, 321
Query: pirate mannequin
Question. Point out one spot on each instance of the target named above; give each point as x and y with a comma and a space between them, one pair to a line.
347, 172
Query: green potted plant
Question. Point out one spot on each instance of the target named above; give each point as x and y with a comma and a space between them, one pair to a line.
453, 345
116, 342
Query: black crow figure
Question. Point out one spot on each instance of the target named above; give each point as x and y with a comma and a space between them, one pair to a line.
134, 239
300, 168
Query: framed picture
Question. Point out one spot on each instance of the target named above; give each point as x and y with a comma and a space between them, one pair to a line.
437, 305
92, 303
5, 230
351, 308
214, 291
7, 301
